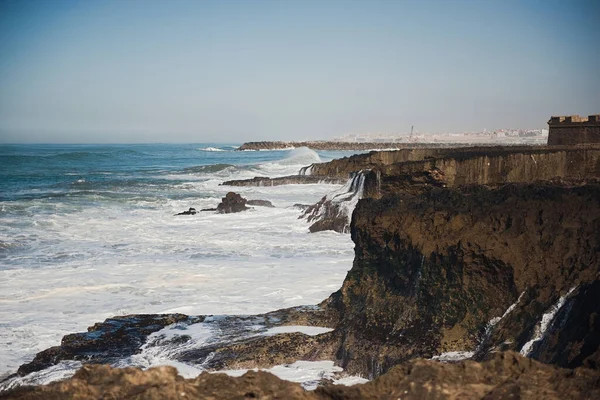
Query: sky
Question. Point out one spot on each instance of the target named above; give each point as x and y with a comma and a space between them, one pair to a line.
144, 71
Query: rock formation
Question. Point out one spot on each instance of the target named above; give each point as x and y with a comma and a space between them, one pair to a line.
412, 171
436, 272
191, 211
105, 342
506, 375
232, 203
457, 255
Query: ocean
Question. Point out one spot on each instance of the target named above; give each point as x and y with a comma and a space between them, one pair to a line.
88, 232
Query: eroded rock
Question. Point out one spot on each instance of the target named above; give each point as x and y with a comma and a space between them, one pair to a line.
507, 375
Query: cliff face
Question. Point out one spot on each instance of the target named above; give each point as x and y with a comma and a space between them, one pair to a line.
398, 172
439, 271
505, 161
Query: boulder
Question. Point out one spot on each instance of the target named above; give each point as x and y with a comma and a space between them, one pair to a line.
232, 203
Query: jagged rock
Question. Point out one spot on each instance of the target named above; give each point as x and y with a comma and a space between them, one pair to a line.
260, 203
105, 342
232, 203
191, 211
507, 375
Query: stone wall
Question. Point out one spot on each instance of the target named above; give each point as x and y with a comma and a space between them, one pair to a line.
571, 130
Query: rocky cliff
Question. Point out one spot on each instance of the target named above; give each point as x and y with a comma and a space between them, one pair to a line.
472, 270
453, 259
412, 171
519, 161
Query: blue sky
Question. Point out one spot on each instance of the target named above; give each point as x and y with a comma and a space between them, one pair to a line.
232, 71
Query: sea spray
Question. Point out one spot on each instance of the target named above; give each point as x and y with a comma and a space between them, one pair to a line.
339, 204
72, 257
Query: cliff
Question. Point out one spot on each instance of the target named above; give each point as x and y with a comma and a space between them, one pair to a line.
502, 159
414, 171
472, 270
461, 254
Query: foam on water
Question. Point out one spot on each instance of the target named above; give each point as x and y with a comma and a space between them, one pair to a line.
68, 262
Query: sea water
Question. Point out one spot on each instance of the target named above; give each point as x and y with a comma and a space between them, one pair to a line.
89, 232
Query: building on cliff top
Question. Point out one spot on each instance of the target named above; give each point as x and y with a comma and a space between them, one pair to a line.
574, 129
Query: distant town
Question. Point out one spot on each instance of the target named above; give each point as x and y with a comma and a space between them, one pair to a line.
500, 136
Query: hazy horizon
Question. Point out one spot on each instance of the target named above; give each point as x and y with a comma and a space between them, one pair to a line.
234, 71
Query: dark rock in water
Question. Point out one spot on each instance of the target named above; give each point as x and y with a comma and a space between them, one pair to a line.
105, 342
232, 203
191, 211
506, 376
208, 209
260, 203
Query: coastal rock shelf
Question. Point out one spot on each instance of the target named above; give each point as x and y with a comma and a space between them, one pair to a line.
506, 375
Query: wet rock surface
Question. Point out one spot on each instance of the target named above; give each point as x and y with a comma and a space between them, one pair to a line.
105, 342
232, 203
506, 375
191, 211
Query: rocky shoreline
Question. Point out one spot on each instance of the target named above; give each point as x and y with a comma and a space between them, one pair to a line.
460, 253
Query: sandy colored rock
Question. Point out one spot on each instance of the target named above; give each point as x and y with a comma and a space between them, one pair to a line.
507, 375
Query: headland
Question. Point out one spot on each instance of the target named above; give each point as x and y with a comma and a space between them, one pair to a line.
476, 275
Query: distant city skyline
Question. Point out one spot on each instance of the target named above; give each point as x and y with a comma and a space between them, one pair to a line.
232, 71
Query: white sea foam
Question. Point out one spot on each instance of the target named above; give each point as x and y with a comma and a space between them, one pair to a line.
77, 263
307, 330
308, 373
453, 356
